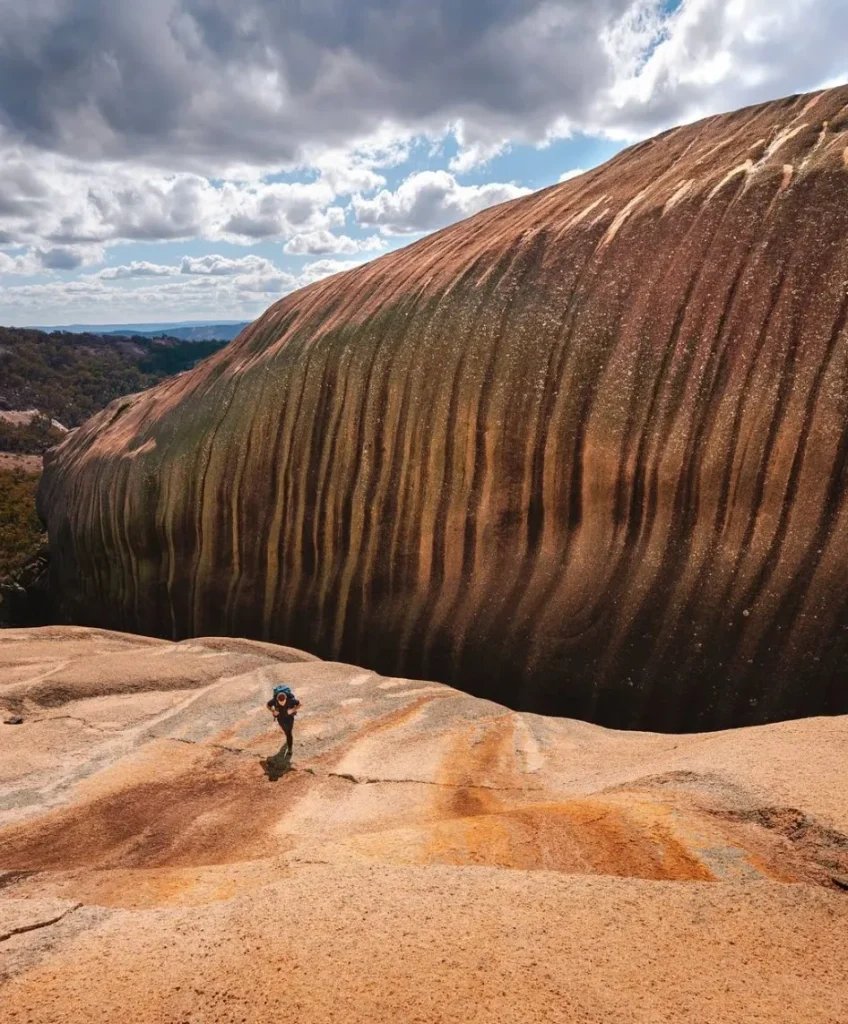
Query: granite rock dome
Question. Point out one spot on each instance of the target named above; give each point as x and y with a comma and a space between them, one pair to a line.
584, 453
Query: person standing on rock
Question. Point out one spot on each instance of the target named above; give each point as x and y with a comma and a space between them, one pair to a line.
283, 705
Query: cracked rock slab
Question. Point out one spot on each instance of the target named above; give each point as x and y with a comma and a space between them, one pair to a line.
18, 916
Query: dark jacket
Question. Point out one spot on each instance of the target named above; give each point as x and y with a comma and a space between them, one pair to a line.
283, 704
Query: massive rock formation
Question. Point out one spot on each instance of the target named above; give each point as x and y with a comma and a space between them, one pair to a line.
584, 452
432, 857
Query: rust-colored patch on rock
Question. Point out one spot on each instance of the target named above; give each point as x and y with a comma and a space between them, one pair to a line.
576, 837
211, 807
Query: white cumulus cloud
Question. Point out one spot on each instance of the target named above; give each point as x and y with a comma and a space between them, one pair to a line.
138, 268
223, 266
325, 243
429, 200
166, 292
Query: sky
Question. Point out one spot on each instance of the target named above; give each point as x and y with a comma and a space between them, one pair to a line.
199, 159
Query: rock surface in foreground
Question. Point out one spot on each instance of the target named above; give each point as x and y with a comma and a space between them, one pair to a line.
432, 857
584, 453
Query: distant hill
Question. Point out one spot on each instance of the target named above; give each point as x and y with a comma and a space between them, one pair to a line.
49, 381
69, 376
185, 330
200, 332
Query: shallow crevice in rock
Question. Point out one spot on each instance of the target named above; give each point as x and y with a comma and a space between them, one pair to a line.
824, 849
36, 925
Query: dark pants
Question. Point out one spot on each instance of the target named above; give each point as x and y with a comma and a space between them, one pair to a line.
286, 723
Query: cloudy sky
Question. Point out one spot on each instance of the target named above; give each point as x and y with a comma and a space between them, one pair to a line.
197, 159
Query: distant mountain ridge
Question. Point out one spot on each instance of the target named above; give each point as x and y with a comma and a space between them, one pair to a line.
211, 332
184, 330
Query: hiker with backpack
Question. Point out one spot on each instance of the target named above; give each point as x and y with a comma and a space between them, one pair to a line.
283, 705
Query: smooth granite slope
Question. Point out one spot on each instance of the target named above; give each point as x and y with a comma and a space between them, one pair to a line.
432, 857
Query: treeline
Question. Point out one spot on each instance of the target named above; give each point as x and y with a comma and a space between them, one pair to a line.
31, 438
21, 532
69, 377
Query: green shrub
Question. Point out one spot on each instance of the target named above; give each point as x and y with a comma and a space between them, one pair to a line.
33, 438
21, 532
69, 377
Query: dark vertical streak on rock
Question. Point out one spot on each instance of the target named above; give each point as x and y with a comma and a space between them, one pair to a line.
772, 650
344, 610
196, 591
280, 488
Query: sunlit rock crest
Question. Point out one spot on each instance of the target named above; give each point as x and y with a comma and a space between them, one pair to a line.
584, 452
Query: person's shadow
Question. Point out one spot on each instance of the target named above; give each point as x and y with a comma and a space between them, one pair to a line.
277, 766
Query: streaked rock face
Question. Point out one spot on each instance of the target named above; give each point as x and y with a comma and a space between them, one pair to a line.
585, 452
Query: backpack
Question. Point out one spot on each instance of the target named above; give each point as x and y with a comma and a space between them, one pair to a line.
288, 692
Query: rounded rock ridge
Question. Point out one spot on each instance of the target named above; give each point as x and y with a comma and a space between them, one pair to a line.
583, 453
